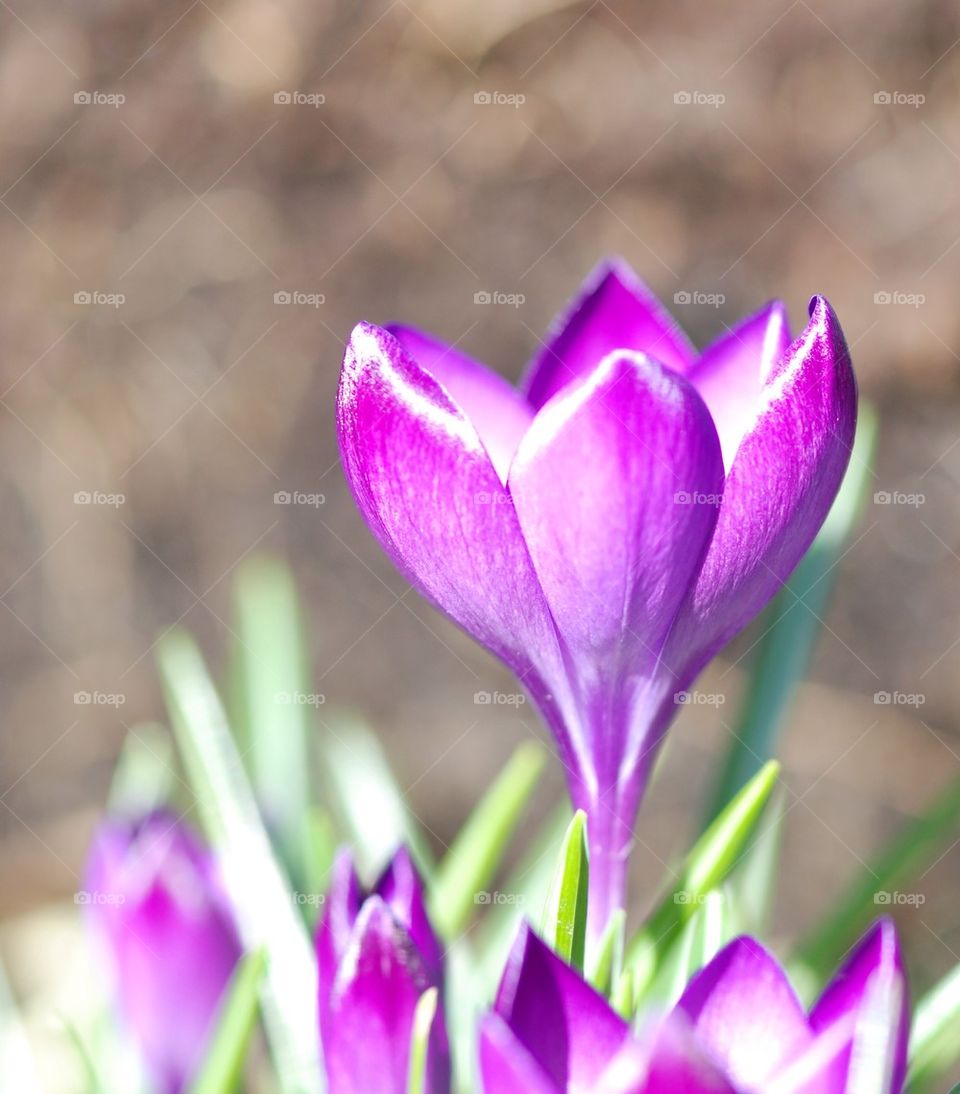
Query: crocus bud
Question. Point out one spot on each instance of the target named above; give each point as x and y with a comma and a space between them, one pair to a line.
376, 955
155, 902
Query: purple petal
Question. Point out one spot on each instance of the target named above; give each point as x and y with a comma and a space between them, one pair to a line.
731, 373
614, 311
402, 888
366, 1038
745, 1013
616, 485
426, 486
568, 1028
873, 969
497, 411
159, 910
781, 485
506, 1066
341, 907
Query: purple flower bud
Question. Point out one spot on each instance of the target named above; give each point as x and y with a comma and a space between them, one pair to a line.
156, 904
376, 955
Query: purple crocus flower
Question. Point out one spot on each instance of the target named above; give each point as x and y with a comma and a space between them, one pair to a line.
376, 955
606, 528
737, 1029
156, 902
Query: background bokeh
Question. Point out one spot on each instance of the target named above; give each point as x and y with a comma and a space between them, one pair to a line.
169, 169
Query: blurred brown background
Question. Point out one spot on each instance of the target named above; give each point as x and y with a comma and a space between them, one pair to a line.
169, 169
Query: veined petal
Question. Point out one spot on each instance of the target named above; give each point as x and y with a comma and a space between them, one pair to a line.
731, 373
568, 1028
497, 411
745, 1012
871, 975
506, 1067
429, 492
366, 1042
781, 485
613, 311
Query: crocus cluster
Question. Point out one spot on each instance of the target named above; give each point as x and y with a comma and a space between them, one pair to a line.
738, 1028
157, 906
608, 526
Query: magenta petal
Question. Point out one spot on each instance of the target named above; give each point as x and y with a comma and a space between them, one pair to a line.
745, 1012
566, 1026
613, 311
872, 973
340, 909
781, 485
497, 411
506, 1067
402, 888
366, 1040
665, 1059
426, 487
617, 486
731, 373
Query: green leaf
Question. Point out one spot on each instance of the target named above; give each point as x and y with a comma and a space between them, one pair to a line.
706, 867
145, 774
469, 866
905, 857
791, 624
273, 702
564, 924
622, 996
753, 886
259, 892
369, 803
710, 929
420, 1041
223, 1065
609, 960
934, 1046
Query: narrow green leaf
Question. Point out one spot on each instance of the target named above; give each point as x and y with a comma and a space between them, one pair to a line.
791, 624
564, 923
934, 1045
622, 997
145, 775
273, 703
223, 1065
320, 838
753, 886
369, 804
704, 935
905, 857
609, 960
259, 892
706, 866
468, 868
420, 1041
